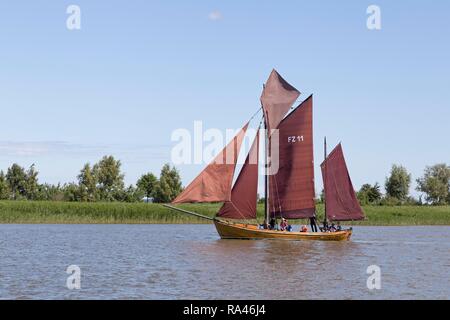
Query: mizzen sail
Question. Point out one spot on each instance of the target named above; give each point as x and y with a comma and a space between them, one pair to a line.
277, 98
244, 192
292, 186
340, 197
213, 184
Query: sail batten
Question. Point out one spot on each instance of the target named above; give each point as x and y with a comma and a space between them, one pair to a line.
292, 186
213, 184
340, 197
244, 193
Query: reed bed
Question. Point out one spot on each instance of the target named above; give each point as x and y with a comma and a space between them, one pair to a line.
49, 212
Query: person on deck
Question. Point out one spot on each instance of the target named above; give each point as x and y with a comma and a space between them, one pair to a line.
272, 224
264, 225
333, 228
283, 224
338, 227
289, 227
313, 223
303, 228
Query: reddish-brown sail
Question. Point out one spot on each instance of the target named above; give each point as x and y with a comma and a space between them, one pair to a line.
292, 187
243, 195
277, 97
340, 197
213, 184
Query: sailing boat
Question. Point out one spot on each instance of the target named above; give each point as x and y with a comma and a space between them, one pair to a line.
289, 190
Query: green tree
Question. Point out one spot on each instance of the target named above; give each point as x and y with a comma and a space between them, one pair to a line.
71, 192
147, 183
4, 188
369, 194
169, 185
17, 180
435, 183
50, 192
109, 178
87, 183
130, 194
397, 184
31, 183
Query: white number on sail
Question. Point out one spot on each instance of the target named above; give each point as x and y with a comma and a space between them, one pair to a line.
294, 139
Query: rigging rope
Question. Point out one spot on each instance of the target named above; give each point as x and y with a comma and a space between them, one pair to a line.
254, 115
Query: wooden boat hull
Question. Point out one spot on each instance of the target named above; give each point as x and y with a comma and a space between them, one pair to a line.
231, 230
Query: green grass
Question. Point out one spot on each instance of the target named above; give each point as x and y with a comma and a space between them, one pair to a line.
75, 212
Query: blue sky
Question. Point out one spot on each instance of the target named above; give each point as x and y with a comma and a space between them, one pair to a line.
137, 70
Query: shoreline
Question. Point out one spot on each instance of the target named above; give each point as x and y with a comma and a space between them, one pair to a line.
52, 212
206, 223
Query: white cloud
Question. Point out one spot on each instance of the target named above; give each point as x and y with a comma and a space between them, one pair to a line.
27, 148
215, 15
13, 149
42, 148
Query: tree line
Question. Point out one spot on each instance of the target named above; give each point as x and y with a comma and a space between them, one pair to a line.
102, 181
434, 184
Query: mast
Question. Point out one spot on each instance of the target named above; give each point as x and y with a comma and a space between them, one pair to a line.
324, 184
276, 100
266, 168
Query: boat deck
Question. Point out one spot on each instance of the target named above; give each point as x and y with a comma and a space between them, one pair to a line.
231, 230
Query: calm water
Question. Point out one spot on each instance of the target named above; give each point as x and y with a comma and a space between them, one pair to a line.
190, 262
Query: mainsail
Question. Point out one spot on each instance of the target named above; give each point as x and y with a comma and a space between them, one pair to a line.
243, 195
340, 197
277, 97
292, 187
213, 184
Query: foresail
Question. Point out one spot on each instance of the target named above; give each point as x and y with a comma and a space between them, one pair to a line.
292, 186
213, 184
340, 197
277, 98
244, 192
